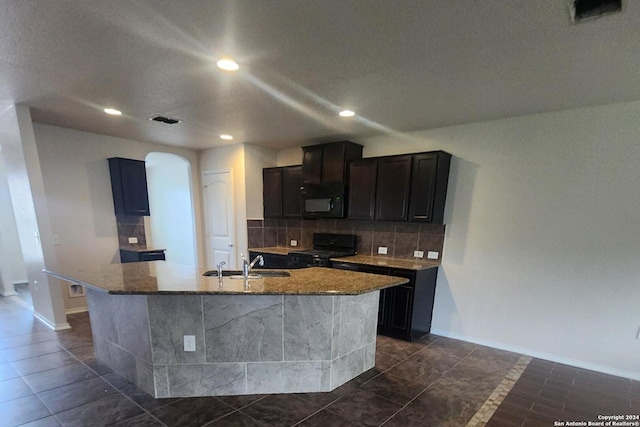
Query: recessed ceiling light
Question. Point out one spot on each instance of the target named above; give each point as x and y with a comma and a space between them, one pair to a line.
227, 64
226, 137
112, 111
346, 113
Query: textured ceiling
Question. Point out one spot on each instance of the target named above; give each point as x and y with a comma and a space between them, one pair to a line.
401, 65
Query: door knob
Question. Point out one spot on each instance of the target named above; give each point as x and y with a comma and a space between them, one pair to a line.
230, 244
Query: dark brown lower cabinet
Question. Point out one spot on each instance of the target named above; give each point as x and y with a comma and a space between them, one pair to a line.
270, 260
404, 311
141, 255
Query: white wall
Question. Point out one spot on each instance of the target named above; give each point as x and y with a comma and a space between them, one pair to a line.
78, 191
26, 186
12, 268
171, 224
541, 250
256, 158
290, 157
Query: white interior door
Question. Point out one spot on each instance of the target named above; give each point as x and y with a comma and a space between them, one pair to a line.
219, 221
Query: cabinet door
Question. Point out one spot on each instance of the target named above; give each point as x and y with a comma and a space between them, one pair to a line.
392, 190
272, 192
383, 310
423, 186
291, 193
312, 164
333, 163
129, 186
362, 189
401, 309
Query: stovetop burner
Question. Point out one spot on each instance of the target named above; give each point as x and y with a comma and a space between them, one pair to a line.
320, 253
325, 246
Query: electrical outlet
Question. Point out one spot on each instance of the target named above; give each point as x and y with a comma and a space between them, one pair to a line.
433, 255
133, 240
382, 250
418, 254
294, 243
56, 239
189, 343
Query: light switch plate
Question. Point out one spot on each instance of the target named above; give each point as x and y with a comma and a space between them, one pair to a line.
433, 255
418, 254
382, 250
56, 239
294, 243
133, 240
189, 343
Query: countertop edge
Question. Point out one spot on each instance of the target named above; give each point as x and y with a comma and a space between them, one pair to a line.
396, 282
76, 281
400, 263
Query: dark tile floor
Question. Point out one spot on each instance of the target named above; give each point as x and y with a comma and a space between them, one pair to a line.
51, 378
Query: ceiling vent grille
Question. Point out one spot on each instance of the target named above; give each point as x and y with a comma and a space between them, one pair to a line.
582, 10
166, 120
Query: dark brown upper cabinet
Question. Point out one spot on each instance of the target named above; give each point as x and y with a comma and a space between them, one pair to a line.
392, 191
362, 188
291, 192
281, 191
429, 180
272, 192
129, 186
328, 163
409, 187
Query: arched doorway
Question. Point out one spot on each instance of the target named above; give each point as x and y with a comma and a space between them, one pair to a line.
172, 223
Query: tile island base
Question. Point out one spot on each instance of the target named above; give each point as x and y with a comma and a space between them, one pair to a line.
244, 344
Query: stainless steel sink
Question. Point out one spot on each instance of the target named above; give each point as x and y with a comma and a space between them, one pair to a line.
237, 274
241, 277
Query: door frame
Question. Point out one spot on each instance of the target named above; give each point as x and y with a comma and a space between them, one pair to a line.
208, 248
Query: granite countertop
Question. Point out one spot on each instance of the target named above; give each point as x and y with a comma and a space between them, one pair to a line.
407, 264
140, 248
161, 277
272, 250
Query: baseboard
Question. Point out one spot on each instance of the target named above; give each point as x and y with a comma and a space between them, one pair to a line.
17, 299
21, 282
540, 355
76, 310
8, 293
55, 327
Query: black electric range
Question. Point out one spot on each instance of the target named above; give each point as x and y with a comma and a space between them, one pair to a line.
325, 246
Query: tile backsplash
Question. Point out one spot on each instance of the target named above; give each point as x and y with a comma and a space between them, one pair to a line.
130, 226
400, 238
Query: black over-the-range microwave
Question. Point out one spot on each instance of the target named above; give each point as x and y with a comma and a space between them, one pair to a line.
323, 201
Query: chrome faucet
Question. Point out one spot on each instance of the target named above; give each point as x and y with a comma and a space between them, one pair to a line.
246, 266
219, 267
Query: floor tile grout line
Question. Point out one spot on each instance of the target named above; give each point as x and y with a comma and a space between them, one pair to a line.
397, 363
326, 407
124, 395
36, 394
427, 388
116, 389
486, 411
32, 357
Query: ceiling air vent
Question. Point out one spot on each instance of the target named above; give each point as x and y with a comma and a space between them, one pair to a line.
166, 120
582, 10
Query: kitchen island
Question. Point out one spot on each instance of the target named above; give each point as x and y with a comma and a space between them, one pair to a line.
176, 333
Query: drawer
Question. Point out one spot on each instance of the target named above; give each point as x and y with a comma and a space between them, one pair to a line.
152, 256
